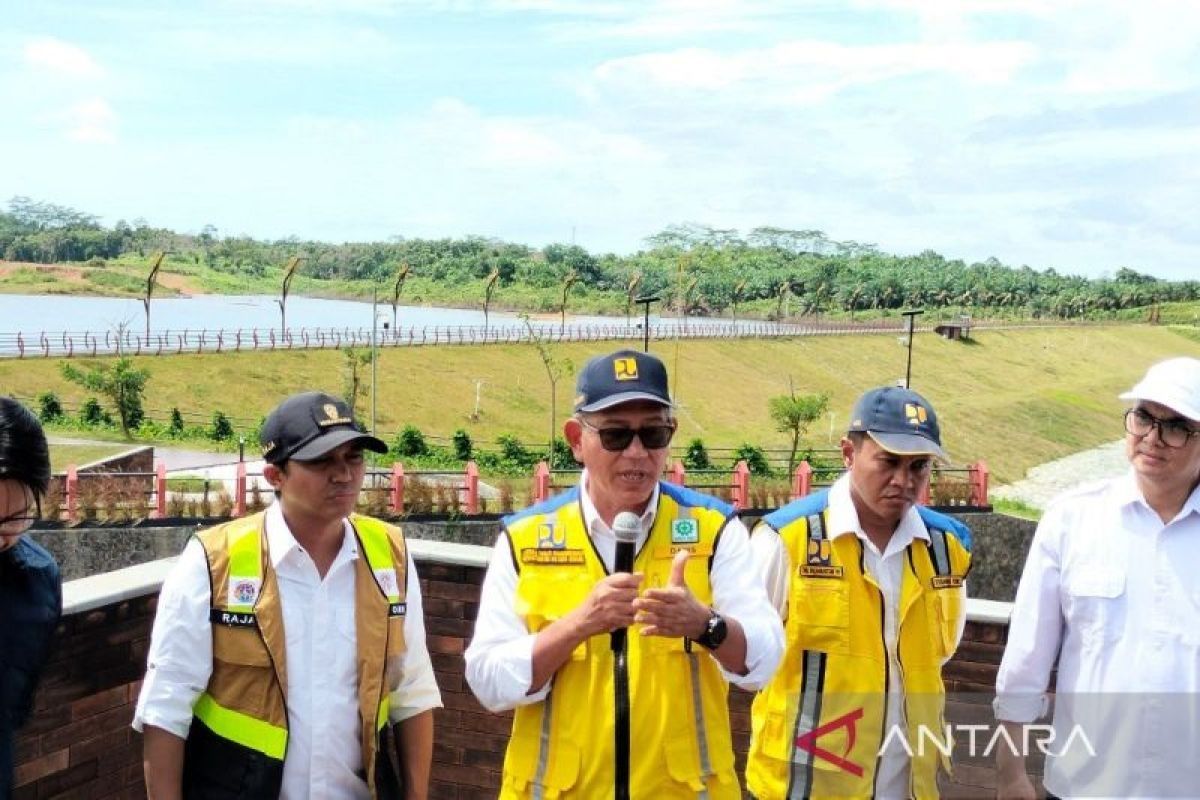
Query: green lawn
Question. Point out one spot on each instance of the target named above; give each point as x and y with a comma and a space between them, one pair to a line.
1012, 398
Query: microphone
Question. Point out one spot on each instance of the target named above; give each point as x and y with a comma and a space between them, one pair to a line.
626, 527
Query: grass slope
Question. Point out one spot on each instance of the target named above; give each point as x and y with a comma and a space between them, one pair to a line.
1013, 398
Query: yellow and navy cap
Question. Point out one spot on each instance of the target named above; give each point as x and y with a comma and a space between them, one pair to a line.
621, 377
308, 425
900, 421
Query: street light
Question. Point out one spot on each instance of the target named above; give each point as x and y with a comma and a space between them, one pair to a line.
911, 314
645, 301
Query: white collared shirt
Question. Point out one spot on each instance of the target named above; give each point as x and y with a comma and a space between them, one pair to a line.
1117, 591
887, 570
500, 657
324, 755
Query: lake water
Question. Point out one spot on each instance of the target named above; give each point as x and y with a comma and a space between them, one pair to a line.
35, 313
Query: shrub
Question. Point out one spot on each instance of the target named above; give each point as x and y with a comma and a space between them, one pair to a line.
514, 453
410, 442
90, 413
462, 445
754, 457
222, 428
176, 426
562, 457
49, 408
696, 456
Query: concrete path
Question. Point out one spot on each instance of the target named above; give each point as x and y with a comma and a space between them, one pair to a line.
1045, 481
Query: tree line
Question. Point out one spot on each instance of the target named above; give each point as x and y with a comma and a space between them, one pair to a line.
695, 269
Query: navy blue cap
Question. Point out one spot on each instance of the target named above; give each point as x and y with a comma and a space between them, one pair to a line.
900, 421
621, 377
308, 425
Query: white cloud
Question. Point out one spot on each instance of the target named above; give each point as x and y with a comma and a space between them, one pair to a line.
92, 120
61, 58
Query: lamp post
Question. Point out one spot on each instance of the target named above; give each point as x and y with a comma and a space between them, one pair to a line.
645, 301
911, 314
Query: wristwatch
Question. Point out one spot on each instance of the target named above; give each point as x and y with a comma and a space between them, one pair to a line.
714, 632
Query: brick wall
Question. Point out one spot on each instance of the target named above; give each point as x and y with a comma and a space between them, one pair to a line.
79, 744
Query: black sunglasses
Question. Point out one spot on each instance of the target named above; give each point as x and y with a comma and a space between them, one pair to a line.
653, 437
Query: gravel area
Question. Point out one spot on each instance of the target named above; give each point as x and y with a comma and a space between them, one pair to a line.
1043, 482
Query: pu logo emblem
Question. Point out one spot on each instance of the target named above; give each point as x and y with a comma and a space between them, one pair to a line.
819, 552
808, 742
330, 411
915, 414
625, 369
684, 531
548, 540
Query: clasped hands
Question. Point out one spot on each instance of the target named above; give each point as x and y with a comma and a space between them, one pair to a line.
668, 611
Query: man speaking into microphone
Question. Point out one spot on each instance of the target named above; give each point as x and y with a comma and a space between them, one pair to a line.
581, 647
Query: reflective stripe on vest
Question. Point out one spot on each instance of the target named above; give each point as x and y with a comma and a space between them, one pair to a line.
240, 728
811, 687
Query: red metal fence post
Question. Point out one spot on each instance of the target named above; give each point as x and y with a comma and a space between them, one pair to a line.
802, 480
541, 482
979, 483
472, 488
72, 492
397, 488
741, 485
239, 490
677, 474
160, 489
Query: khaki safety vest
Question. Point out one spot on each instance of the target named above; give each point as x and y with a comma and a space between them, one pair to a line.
239, 736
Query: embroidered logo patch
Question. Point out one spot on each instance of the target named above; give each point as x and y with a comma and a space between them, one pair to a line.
684, 531
818, 566
625, 369
387, 581
915, 413
243, 591
549, 539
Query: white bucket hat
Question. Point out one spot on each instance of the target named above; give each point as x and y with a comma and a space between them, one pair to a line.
1174, 383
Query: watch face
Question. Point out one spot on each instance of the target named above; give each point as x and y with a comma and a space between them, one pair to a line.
715, 633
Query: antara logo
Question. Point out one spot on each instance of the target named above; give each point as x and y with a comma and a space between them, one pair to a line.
1043, 738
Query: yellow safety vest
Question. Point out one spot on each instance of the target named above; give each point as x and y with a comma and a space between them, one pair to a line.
239, 736
818, 727
562, 746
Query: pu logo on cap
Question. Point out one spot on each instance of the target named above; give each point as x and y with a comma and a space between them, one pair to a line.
330, 410
332, 417
915, 414
625, 369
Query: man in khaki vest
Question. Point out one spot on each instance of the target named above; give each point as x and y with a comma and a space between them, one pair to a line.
288, 655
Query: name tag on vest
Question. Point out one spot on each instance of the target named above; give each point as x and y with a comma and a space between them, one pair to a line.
946, 581
232, 619
551, 557
819, 571
397, 609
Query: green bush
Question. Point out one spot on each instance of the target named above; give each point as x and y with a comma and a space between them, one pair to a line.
222, 427
754, 457
176, 426
462, 445
49, 407
696, 456
90, 413
410, 442
514, 453
563, 458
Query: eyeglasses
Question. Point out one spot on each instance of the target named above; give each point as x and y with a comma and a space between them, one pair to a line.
1173, 432
17, 524
653, 437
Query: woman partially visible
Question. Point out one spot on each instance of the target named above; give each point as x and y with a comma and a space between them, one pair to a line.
30, 589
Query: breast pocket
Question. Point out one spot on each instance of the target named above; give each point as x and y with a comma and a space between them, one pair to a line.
1094, 602
819, 612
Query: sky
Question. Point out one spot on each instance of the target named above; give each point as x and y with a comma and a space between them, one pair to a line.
1053, 133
